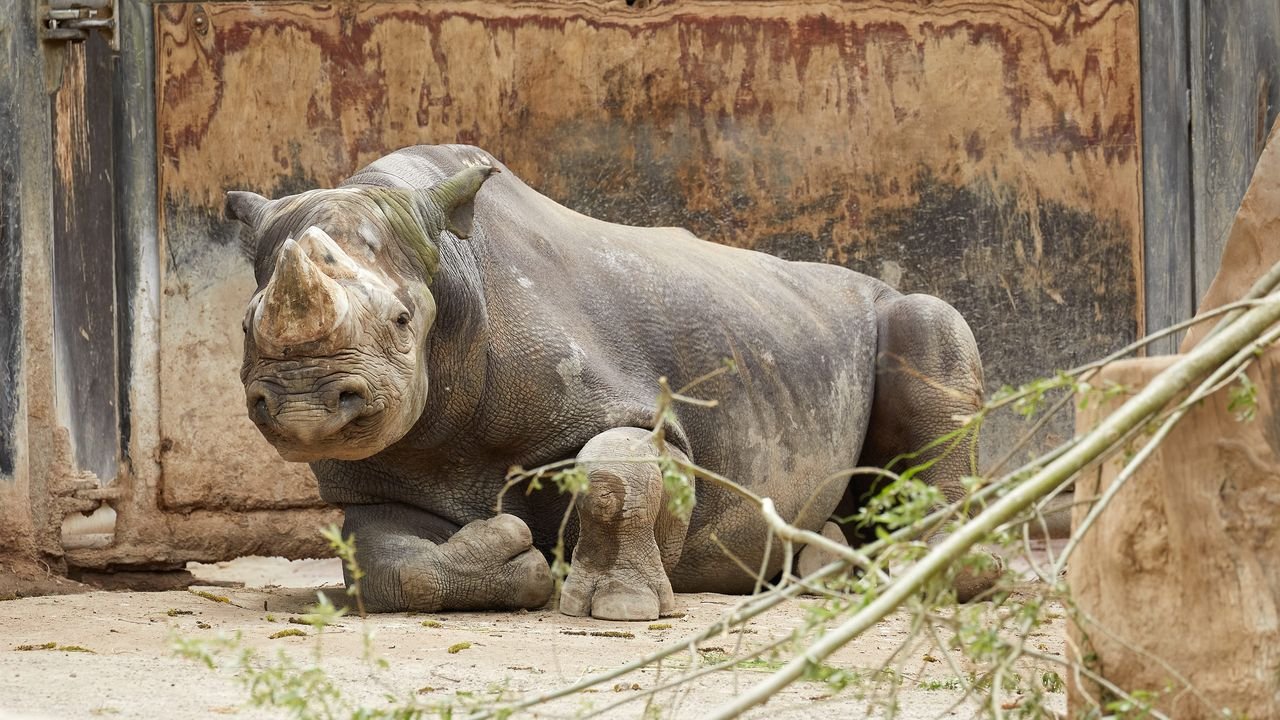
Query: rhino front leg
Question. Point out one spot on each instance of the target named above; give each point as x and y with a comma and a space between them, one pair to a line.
415, 561
629, 539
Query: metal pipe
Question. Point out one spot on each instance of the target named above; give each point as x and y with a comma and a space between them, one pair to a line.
80, 4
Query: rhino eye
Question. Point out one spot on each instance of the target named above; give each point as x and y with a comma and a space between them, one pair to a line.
403, 319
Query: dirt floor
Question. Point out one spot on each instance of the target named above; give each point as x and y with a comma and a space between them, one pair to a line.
113, 656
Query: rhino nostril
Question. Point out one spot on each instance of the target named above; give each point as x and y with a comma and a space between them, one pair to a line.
258, 410
352, 401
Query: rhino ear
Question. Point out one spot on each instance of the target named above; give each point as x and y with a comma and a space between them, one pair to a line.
247, 207
456, 196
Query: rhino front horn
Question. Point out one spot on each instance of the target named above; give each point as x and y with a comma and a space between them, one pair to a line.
300, 303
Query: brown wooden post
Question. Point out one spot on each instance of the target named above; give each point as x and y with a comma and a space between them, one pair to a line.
1179, 577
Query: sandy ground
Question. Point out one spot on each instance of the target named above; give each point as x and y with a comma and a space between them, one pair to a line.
132, 671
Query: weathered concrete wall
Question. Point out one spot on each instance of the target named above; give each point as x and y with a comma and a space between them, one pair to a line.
984, 152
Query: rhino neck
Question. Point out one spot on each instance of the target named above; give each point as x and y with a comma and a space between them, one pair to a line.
456, 350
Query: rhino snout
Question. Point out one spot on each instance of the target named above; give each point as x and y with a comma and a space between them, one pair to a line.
306, 420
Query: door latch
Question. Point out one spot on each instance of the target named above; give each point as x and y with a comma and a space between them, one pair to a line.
73, 20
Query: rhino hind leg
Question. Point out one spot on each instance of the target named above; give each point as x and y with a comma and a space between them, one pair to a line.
628, 539
928, 383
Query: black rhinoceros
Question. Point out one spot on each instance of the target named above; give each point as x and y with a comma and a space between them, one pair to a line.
413, 352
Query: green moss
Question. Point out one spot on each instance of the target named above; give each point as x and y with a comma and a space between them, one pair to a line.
291, 632
713, 658
458, 647
660, 626
432, 624
760, 664
210, 596
408, 223
175, 613
54, 646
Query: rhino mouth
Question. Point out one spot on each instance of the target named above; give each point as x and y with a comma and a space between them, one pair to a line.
334, 418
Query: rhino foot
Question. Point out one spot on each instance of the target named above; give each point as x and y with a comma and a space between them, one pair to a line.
615, 596
628, 538
977, 577
812, 558
492, 563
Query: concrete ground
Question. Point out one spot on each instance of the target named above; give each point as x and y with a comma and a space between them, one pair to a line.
112, 654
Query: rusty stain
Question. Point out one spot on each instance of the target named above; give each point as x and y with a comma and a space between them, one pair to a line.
726, 61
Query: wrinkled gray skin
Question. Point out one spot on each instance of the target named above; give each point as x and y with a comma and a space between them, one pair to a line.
412, 389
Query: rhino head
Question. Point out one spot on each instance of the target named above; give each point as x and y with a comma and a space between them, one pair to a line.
335, 362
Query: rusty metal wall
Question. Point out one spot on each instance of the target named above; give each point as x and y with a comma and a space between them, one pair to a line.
987, 152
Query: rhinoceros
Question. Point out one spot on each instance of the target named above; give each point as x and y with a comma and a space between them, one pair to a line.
434, 321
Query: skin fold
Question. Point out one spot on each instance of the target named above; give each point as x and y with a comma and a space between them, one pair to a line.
434, 321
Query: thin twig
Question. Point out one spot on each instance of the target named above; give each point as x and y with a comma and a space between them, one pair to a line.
739, 614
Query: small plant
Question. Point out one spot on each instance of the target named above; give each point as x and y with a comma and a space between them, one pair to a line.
279, 682
1243, 400
948, 684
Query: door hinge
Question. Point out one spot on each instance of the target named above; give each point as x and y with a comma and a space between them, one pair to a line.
73, 20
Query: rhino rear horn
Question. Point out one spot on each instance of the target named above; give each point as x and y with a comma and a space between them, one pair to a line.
324, 251
455, 197
300, 303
